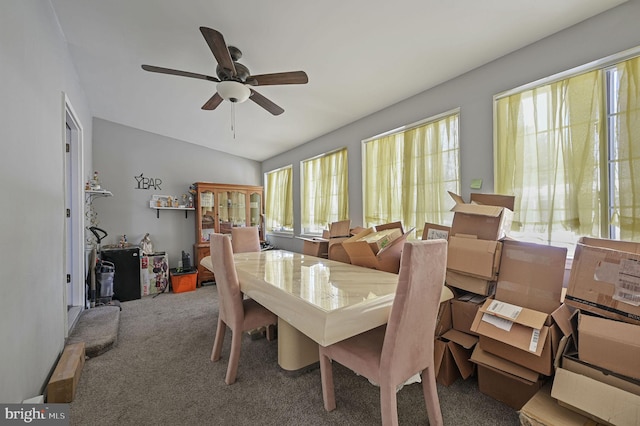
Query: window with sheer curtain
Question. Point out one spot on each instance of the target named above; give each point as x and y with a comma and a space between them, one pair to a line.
568, 151
279, 201
407, 174
325, 195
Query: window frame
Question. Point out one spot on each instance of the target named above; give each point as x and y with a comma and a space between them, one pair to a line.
402, 130
305, 232
604, 64
284, 232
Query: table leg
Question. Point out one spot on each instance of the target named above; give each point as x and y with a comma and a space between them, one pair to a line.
295, 350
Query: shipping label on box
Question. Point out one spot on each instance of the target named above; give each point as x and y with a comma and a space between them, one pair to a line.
523, 336
435, 232
605, 279
517, 326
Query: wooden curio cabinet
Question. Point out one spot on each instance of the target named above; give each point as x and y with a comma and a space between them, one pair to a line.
219, 208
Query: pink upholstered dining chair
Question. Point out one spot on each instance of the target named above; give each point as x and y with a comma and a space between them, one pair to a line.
238, 314
391, 354
245, 239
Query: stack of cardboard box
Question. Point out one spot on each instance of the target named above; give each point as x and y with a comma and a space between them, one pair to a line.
328, 246
521, 328
377, 248
598, 374
472, 267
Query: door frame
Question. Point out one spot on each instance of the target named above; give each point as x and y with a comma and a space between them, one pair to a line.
76, 221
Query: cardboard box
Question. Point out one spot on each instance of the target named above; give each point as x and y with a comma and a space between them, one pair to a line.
605, 278
64, 380
443, 320
507, 201
479, 258
463, 311
543, 410
610, 344
518, 334
484, 221
318, 247
340, 229
503, 380
386, 259
336, 251
599, 401
470, 283
570, 361
531, 275
378, 240
432, 231
451, 355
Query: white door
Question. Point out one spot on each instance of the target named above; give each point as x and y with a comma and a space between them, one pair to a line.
74, 266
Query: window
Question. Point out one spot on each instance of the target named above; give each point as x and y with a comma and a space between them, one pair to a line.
325, 195
567, 150
279, 201
407, 174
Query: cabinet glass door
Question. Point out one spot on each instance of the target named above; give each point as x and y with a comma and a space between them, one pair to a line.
207, 215
232, 210
255, 210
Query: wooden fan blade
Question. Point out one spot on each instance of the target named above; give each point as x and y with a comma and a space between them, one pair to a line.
178, 72
293, 77
213, 102
219, 49
265, 103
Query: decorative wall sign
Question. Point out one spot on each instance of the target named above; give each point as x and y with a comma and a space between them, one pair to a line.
148, 183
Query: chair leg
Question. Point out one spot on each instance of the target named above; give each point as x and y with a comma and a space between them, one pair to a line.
431, 396
234, 357
388, 404
326, 376
271, 332
217, 343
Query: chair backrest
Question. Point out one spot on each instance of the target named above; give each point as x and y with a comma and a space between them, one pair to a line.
224, 269
245, 239
408, 342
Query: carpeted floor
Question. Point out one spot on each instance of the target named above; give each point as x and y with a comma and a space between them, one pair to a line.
159, 373
98, 329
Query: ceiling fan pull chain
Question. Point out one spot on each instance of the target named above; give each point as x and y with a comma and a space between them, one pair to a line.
233, 119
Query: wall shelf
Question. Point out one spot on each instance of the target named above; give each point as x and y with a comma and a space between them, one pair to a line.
92, 194
185, 209
164, 202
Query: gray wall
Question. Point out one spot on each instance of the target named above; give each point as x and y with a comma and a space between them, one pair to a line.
35, 70
603, 35
121, 153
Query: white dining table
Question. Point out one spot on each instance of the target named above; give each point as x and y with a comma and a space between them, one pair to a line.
317, 301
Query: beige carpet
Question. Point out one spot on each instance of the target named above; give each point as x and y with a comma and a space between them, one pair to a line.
159, 373
98, 329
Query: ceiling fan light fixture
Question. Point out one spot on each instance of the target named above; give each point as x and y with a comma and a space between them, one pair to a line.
233, 91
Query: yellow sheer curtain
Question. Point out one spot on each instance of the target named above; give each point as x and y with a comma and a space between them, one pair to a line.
279, 201
408, 174
325, 196
626, 170
548, 156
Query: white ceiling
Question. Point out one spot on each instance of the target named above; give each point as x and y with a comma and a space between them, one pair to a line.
360, 55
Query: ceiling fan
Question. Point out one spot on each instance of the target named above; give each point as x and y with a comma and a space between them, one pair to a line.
234, 79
